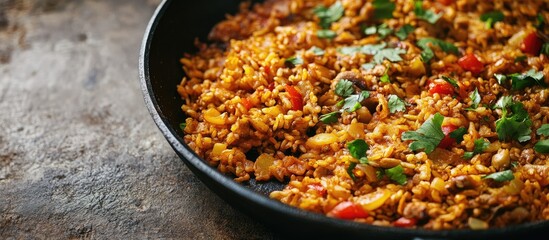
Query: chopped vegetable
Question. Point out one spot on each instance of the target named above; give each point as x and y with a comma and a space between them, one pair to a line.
458, 134
491, 17
246, 103
294, 61
480, 146
383, 30
385, 78
543, 130
183, 126
501, 78
515, 126
502, 176
521, 58
531, 44
443, 88
447, 141
428, 136
426, 15
427, 54
542, 146
329, 15
403, 32
383, 9
378, 50
545, 49
470, 63
350, 169
329, 117
352, 103
347, 210
317, 51
396, 104
391, 54
325, 33
295, 98
396, 174
344, 88
527, 79
405, 222
475, 99
540, 21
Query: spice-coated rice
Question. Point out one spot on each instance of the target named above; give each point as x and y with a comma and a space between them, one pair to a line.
420, 114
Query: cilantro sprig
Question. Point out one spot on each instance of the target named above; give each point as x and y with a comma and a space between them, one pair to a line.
475, 99
383, 9
522, 81
403, 32
382, 30
542, 146
502, 176
344, 88
427, 54
396, 104
480, 146
428, 136
515, 122
492, 17
396, 174
294, 61
357, 149
329, 15
425, 14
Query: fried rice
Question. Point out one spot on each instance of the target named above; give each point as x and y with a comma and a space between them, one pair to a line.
419, 114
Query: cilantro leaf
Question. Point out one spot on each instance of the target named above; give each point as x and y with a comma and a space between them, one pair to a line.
378, 50
357, 148
458, 134
317, 51
542, 146
329, 15
368, 66
385, 77
397, 174
403, 32
426, 15
428, 136
352, 102
383, 30
391, 54
501, 78
325, 33
502, 176
527, 79
294, 61
344, 88
383, 9
514, 126
451, 81
475, 99
428, 53
183, 126
540, 21
480, 146
543, 130
329, 117
491, 17
396, 104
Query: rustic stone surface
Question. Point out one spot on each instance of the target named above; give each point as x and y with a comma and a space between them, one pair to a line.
80, 157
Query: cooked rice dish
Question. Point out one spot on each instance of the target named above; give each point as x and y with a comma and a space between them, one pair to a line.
404, 113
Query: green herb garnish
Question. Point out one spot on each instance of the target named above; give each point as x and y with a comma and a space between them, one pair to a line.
520, 58
344, 88
491, 17
428, 136
325, 33
451, 81
475, 99
502, 176
396, 174
294, 61
424, 14
396, 104
350, 169
543, 130
542, 146
403, 32
545, 49
458, 134
427, 54
317, 51
329, 117
383, 9
527, 79
329, 15
500, 78
540, 22
352, 102
514, 125
383, 30
378, 50
480, 146
182, 126
357, 149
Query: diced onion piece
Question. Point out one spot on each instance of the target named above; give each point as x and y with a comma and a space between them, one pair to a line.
322, 139
218, 148
356, 130
214, 117
514, 187
374, 200
261, 166
475, 223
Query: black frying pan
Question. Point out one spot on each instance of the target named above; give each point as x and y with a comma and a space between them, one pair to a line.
171, 32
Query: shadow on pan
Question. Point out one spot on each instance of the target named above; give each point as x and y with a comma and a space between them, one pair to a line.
172, 32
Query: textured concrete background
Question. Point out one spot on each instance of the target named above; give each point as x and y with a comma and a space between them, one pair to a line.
80, 157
